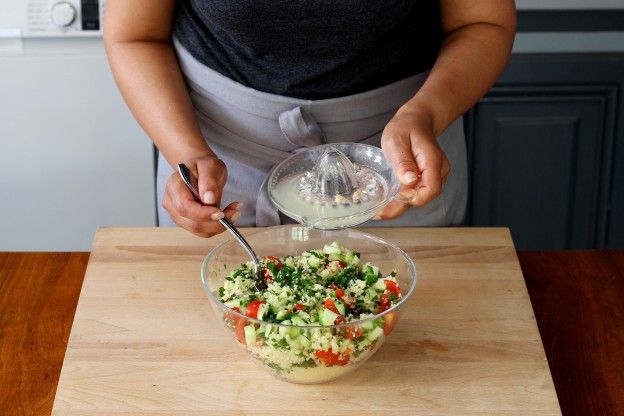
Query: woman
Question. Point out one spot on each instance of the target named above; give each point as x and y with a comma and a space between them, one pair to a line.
230, 88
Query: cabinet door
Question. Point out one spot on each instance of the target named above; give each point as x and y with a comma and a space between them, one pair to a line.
536, 164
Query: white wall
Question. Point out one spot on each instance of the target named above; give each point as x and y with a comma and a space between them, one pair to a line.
72, 158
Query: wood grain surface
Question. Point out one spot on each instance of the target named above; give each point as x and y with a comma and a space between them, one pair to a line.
38, 297
578, 298
146, 342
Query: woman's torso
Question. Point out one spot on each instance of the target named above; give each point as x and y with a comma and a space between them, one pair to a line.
311, 49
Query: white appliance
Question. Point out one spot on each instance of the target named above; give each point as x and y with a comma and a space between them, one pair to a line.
72, 157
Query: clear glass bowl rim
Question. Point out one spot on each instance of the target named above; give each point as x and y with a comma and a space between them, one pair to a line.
232, 312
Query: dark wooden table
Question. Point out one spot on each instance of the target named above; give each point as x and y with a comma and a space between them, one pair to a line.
578, 298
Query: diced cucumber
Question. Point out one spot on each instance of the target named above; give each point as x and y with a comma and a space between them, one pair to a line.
335, 256
298, 321
379, 285
250, 335
281, 314
283, 330
333, 248
303, 341
340, 306
350, 258
234, 303
294, 332
304, 315
313, 261
262, 310
328, 317
275, 308
375, 333
367, 325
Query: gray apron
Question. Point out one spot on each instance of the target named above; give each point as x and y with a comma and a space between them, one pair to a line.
252, 131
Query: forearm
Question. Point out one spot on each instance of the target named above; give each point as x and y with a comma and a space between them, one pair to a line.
150, 80
470, 61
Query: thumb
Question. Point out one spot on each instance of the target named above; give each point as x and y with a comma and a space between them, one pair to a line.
212, 175
398, 151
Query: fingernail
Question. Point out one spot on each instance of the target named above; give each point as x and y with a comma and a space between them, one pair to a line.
409, 177
235, 216
377, 217
239, 206
217, 216
209, 198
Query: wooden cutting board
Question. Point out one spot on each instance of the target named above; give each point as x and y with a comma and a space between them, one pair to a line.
145, 340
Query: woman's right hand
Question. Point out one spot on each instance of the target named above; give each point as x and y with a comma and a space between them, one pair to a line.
185, 211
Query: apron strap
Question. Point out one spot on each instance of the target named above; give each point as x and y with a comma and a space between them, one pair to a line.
301, 129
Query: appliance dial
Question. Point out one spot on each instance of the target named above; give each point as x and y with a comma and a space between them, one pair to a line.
63, 14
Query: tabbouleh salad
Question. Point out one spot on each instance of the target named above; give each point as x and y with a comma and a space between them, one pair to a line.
318, 288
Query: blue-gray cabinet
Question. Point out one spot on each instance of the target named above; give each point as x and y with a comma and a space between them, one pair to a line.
546, 152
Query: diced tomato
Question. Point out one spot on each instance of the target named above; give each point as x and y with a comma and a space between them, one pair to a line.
329, 304
339, 293
343, 358
267, 275
240, 330
252, 308
352, 332
393, 287
329, 358
341, 264
384, 302
230, 316
339, 320
299, 307
390, 320
326, 357
275, 261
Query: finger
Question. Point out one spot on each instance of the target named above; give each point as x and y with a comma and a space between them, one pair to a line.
200, 229
398, 151
392, 210
429, 159
233, 211
211, 176
178, 200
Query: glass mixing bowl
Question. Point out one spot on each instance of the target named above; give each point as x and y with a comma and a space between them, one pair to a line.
305, 356
307, 207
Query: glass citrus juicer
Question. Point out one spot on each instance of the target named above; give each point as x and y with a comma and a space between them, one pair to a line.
334, 186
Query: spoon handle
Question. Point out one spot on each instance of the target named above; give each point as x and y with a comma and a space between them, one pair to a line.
191, 184
232, 229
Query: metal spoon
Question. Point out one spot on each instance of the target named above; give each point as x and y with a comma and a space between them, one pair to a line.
191, 183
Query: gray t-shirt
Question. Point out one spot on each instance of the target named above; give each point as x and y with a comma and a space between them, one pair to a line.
311, 49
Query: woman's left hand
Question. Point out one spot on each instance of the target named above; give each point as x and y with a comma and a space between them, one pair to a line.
410, 145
